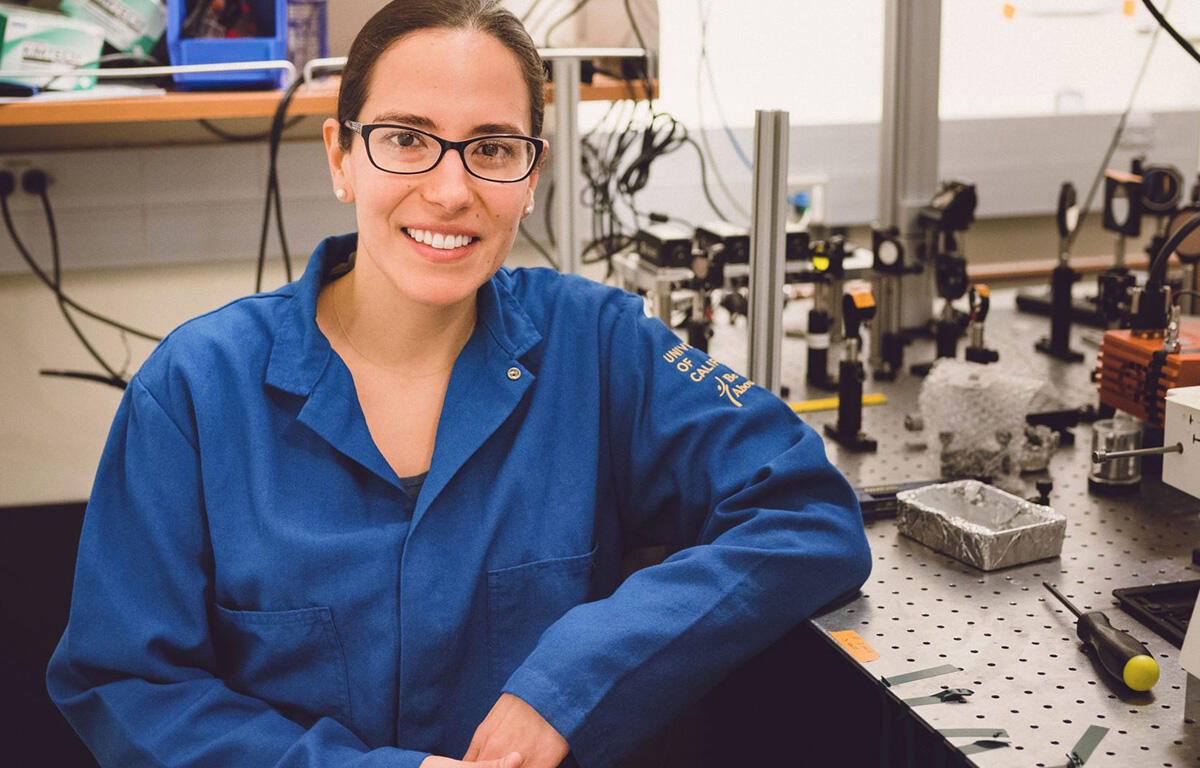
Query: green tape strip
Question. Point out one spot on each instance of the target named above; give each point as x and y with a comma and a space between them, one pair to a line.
958, 695
920, 674
982, 745
990, 733
1086, 746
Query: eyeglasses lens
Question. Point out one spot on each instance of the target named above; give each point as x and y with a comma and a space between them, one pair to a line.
491, 157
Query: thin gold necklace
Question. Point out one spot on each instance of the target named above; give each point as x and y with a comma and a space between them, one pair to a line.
337, 317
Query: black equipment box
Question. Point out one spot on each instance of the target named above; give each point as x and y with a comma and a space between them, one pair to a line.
665, 245
736, 241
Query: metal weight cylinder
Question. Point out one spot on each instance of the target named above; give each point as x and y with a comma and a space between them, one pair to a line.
1111, 435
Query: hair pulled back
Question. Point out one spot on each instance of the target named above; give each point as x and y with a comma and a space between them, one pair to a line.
403, 17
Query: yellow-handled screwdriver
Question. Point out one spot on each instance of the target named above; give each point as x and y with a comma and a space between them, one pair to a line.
1124, 657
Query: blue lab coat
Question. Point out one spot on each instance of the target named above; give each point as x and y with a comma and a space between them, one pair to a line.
255, 588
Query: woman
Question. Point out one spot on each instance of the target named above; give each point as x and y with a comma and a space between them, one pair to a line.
376, 518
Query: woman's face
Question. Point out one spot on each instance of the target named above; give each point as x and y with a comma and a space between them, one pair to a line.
456, 84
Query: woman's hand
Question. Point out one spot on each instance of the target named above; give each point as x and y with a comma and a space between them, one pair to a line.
513, 760
514, 726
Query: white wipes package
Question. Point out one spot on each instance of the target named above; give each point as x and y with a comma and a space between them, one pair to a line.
42, 43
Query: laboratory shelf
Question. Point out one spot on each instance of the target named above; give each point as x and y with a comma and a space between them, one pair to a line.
318, 98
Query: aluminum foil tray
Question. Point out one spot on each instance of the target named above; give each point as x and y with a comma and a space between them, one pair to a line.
979, 524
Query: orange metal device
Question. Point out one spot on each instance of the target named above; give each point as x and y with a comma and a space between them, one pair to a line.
1134, 373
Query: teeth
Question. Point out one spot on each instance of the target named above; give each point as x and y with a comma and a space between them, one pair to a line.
437, 239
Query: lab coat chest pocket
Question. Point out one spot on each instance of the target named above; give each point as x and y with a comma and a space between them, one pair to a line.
293, 660
524, 600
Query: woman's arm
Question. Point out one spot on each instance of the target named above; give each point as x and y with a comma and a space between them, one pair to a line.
136, 672
769, 531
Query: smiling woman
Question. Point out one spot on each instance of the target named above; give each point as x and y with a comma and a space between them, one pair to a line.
378, 517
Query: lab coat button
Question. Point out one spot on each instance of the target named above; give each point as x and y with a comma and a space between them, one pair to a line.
514, 373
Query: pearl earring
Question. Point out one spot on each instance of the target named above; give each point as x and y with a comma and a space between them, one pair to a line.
340, 193
529, 209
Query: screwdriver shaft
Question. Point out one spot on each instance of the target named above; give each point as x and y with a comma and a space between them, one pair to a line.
1061, 597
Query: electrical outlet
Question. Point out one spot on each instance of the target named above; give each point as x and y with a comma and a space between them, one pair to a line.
132, 207
17, 167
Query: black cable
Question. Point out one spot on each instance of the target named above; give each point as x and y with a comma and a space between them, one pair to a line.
227, 136
1112, 147
56, 258
276, 138
41, 275
600, 166
537, 246
574, 10
611, 176
704, 66
1164, 253
704, 180
546, 214
283, 245
656, 143
1171, 30
82, 375
1177, 294
637, 33
273, 190
115, 379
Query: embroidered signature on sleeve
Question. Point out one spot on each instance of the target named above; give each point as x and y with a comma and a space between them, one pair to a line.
730, 385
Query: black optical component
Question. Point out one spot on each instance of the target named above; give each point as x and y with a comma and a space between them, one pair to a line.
1162, 188
734, 240
665, 245
1123, 203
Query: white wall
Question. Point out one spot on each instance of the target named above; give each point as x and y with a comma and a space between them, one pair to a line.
822, 60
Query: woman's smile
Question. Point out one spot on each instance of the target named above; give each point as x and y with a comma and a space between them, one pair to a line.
439, 246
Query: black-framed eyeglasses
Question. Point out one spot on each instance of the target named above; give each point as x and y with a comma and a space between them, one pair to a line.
504, 158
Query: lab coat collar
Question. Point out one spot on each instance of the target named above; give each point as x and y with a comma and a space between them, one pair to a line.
487, 383
301, 352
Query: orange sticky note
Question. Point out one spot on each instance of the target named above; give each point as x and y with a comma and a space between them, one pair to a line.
855, 645
1130, 6
1009, 11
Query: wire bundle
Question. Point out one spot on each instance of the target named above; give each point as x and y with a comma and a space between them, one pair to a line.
618, 154
35, 182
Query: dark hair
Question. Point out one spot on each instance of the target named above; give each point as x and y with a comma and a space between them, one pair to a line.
402, 17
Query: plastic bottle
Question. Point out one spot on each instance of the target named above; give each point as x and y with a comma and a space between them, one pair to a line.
307, 35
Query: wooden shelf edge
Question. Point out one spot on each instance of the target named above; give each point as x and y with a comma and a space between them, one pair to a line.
179, 105
320, 99
1012, 271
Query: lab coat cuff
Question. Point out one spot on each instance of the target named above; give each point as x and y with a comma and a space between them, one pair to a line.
548, 699
404, 758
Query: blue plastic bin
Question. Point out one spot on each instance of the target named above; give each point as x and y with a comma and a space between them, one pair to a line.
271, 14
